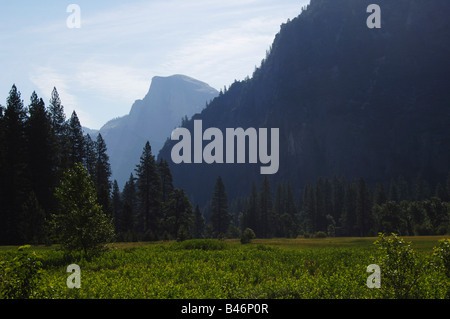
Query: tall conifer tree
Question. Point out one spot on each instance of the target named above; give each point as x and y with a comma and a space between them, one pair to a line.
148, 186
251, 214
199, 223
129, 206
2, 175
117, 205
90, 159
76, 140
220, 217
265, 206
59, 132
166, 180
363, 208
102, 175
16, 177
40, 152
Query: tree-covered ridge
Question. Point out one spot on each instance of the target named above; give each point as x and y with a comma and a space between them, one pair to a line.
337, 207
348, 100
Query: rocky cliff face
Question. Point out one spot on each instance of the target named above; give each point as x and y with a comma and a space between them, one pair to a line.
348, 100
152, 119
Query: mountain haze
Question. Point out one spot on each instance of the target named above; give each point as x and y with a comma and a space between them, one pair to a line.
152, 119
348, 100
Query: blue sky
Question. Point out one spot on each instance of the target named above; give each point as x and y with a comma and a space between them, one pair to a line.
101, 68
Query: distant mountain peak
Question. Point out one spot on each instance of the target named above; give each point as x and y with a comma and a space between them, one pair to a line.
169, 99
169, 84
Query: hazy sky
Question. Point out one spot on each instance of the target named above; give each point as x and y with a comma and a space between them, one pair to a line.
101, 68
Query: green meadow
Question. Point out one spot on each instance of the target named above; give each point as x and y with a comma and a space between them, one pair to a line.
305, 268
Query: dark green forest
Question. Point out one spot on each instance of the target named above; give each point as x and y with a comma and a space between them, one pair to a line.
38, 145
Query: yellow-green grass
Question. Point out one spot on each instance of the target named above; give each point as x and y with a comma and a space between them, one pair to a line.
310, 268
420, 243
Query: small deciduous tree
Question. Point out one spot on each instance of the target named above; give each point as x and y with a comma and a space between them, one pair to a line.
80, 224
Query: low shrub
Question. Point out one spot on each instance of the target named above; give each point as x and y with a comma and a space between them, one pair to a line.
247, 236
320, 234
19, 276
203, 244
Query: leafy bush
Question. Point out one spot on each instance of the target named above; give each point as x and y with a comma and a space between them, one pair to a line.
19, 276
400, 265
247, 236
441, 254
320, 234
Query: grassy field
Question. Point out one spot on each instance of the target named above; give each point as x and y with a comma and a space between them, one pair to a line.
209, 269
421, 243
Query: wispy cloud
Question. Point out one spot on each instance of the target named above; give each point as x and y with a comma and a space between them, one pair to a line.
116, 82
46, 78
103, 67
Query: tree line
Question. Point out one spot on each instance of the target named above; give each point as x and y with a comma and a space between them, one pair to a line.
40, 179
39, 146
337, 207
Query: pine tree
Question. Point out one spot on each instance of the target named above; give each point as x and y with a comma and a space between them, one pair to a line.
220, 218
58, 116
285, 210
380, 196
403, 189
265, 206
279, 206
102, 175
308, 210
349, 216
199, 223
148, 186
178, 215
337, 198
16, 175
3, 212
90, 159
251, 214
166, 180
421, 189
320, 221
291, 211
117, 205
76, 140
129, 207
441, 192
40, 153
393, 192
328, 203
59, 133
363, 208
31, 224
448, 185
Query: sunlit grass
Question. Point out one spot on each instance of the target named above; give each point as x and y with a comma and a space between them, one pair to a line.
311, 268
